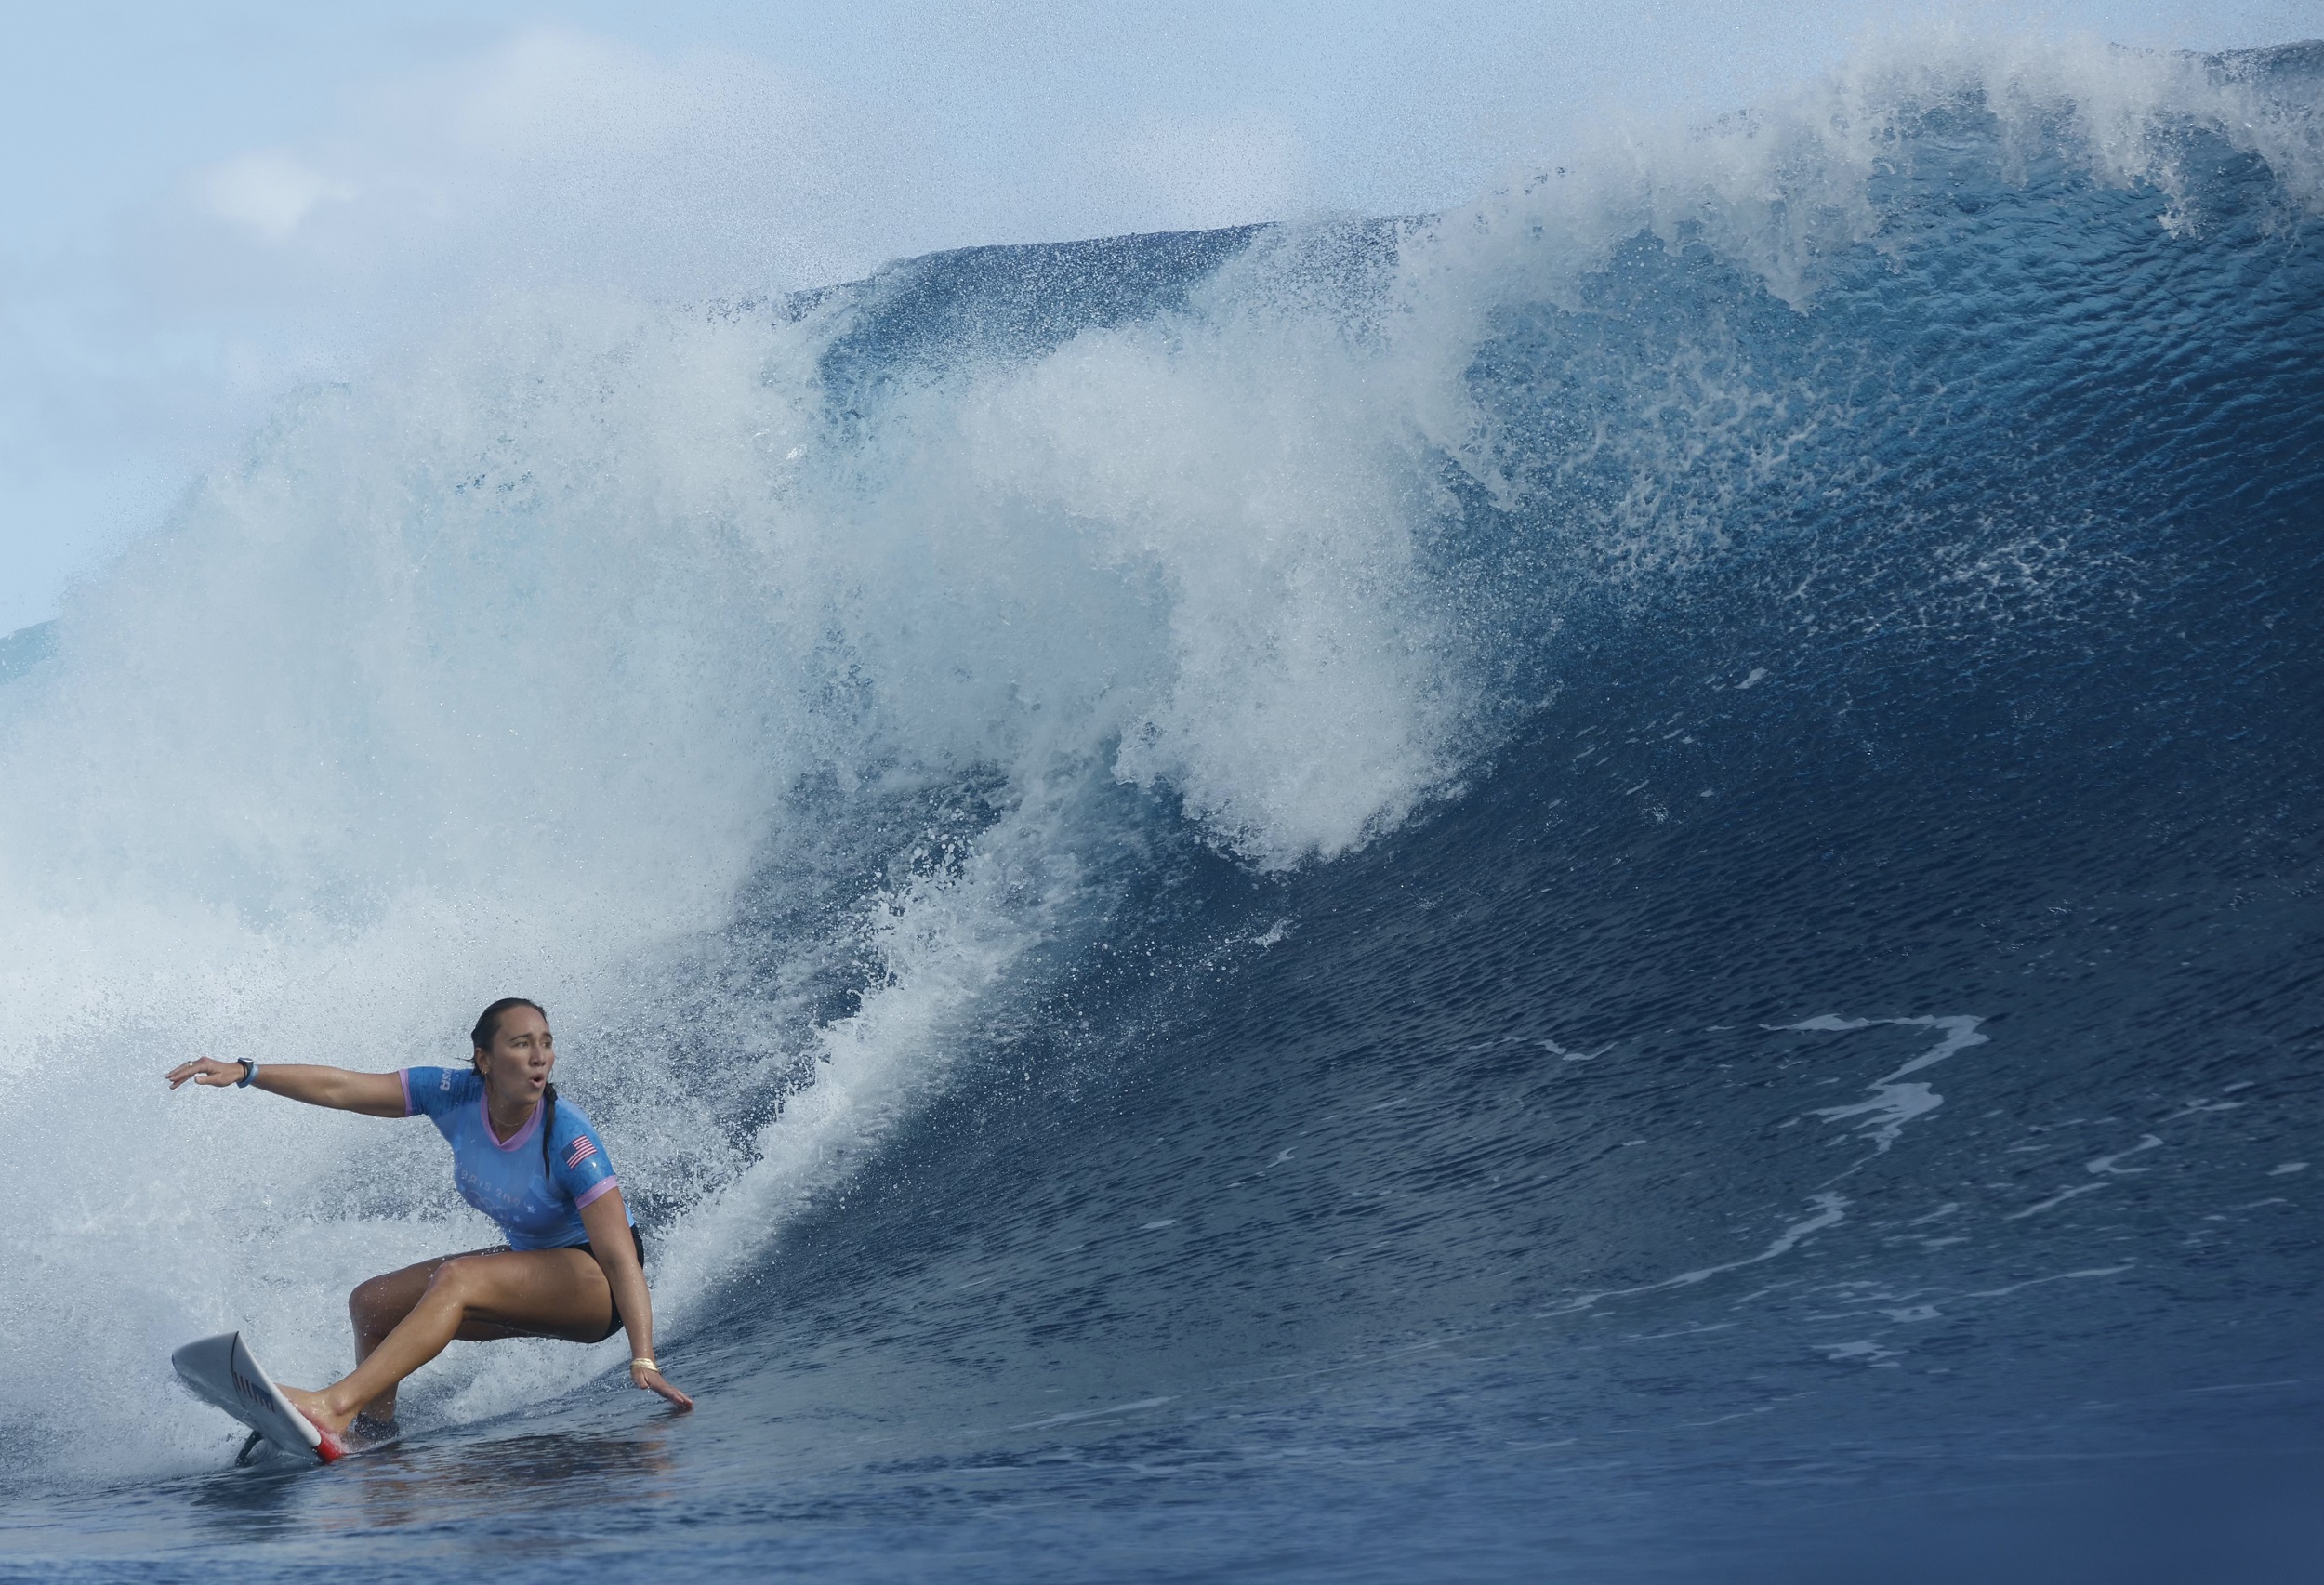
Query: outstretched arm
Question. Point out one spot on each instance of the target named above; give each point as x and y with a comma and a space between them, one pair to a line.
374, 1094
617, 1254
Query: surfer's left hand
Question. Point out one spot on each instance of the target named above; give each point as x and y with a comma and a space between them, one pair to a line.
654, 1382
207, 1070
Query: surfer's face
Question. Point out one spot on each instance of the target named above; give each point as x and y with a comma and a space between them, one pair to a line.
524, 1053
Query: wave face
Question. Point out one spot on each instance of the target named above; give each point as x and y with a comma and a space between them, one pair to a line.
1564, 881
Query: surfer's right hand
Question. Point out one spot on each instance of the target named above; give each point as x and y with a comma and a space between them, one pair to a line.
205, 1070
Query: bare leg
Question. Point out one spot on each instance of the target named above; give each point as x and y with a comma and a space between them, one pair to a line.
558, 1293
377, 1305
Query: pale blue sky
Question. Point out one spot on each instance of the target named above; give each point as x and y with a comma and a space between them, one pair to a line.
210, 201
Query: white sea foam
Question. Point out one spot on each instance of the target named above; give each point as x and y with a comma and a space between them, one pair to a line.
1783, 188
495, 675
1895, 1103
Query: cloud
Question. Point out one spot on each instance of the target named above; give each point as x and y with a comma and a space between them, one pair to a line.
270, 191
553, 159
561, 159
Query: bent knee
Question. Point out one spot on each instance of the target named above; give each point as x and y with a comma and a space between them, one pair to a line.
458, 1276
369, 1298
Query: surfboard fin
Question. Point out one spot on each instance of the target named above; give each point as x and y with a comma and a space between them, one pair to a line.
250, 1449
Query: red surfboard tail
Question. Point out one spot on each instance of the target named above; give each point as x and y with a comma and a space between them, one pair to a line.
328, 1446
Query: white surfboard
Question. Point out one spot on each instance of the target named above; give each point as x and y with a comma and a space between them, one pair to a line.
221, 1370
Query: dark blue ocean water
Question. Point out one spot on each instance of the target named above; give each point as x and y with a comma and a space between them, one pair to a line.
1826, 1088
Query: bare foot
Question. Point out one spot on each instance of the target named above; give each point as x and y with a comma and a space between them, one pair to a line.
317, 1408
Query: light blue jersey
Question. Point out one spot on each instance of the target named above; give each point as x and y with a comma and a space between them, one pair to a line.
537, 1209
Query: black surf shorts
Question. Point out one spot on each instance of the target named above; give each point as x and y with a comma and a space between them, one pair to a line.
614, 1324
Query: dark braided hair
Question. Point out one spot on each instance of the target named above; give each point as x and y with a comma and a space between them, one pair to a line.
481, 1037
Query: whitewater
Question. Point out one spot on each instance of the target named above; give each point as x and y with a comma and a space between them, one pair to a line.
1620, 884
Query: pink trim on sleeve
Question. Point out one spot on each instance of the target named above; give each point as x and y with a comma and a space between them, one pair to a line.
404, 1077
594, 1190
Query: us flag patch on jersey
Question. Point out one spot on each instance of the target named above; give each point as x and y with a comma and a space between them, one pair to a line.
583, 1148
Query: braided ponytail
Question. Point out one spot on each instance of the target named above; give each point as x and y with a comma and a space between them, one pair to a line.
548, 1126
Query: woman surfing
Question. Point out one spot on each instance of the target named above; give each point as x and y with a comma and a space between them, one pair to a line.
574, 1265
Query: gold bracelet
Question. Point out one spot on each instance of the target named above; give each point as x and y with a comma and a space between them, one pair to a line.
646, 1363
